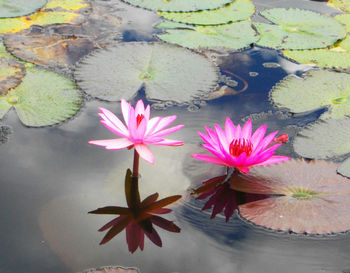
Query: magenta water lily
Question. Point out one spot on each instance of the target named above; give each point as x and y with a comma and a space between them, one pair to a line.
237, 147
139, 130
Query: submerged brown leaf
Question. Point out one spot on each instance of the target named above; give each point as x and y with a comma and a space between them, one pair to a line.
309, 197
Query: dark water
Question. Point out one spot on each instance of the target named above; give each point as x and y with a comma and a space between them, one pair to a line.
51, 177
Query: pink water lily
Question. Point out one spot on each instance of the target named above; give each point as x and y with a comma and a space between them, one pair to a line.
139, 130
237, 147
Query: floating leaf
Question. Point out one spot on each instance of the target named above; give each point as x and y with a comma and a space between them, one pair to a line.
15, 8
336, 56
340, 4
43, 98
298, 29
344, 168
45, 16
238, 10
167, 72
317, 88
112, 269
324, 140
67, 4
311, 197
11, 70
233, 36
179, 5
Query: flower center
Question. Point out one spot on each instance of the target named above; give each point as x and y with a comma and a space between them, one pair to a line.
139, 118
239, 146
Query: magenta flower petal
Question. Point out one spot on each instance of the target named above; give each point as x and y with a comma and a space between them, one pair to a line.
154, 237
144, 152
139, 130
112, 144
237, 147
273, 160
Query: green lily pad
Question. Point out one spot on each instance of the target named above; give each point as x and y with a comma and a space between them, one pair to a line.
324, 140
340, 4
309, 197
167, 72
232, 36
336, 56
58, 13
43, 98
178, 5
15, 8
238, 10
316, 89
11, 70
298, 29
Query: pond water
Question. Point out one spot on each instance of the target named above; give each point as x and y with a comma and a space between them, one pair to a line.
51, 178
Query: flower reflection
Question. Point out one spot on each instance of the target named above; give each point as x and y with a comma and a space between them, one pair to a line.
139, 217
222, 197
139, 131
237, 147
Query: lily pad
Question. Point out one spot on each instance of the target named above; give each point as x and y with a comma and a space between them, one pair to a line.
238, 10
11, 70
167, 72
309, 197
298, 29
336, 56
45, 16
344, 168
232, 36
316, 89
15, 8
43, 98
112, 269
178, 5
340, 4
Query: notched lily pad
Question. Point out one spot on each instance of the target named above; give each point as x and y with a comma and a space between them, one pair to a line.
43, 98
112, 269
167, 72
336, 56
11, 70
310, 197
178, 5
316, 89
230, 36
237, 10
298, 29
15, 8
340, 4
46, 16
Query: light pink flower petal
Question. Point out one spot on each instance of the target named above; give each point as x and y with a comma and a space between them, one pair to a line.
258, 135
164, 122
141, 129
109, 117
169, 142
168, 131
222, 137
152, 124
113, 128
125, 110
144, 152
210, 159
139, 108
247, 130
147, 112
112, 144
229, 129
214, 151
237, 132
132, 123
212, 134
273, 160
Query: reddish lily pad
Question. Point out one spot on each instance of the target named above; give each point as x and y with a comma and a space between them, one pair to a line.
309, 197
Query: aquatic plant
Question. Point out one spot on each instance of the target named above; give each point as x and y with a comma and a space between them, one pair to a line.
139, 131
314, 90
298, 29
15, 8
139, 217
166, 72
237, 10
306, 197
237, 147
